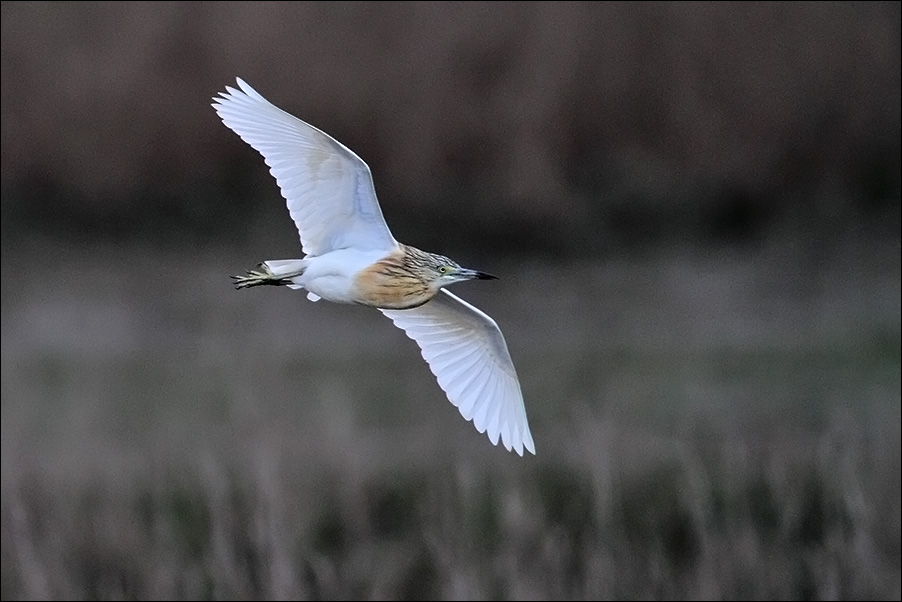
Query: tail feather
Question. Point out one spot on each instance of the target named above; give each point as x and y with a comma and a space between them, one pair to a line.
286, 267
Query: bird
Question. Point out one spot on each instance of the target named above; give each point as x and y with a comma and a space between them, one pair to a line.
350, 256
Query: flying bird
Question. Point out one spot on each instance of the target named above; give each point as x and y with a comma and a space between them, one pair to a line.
350, 256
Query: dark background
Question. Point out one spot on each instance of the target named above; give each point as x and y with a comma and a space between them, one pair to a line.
695, 212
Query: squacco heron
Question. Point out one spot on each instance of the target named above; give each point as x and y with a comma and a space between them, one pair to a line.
352, 257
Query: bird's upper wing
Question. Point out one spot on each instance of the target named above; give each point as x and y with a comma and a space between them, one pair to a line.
329, 189
467, 353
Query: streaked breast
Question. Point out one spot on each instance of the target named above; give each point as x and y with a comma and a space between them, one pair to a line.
390, 284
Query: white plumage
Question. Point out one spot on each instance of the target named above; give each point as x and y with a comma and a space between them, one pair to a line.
330, 196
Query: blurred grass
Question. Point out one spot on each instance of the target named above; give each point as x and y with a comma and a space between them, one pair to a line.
709, 424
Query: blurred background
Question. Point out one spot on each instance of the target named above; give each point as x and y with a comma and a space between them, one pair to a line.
695, 212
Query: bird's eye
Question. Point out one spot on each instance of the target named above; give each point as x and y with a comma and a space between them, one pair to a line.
442, 270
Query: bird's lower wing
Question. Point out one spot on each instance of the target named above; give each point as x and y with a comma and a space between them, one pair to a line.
468, 355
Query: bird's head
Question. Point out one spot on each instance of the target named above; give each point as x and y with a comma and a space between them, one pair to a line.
440, 271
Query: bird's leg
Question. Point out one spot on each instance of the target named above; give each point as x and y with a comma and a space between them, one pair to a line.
262, 276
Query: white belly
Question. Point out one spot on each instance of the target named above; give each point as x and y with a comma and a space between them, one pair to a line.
331, 276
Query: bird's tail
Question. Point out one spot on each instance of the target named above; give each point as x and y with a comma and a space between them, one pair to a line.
275, 272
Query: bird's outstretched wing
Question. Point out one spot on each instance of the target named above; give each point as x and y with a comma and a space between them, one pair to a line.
329, 189
467, 353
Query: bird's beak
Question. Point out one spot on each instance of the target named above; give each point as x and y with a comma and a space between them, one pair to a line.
474, 275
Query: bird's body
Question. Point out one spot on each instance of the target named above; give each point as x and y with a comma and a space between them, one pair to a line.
331, 276
351, 257
373, 278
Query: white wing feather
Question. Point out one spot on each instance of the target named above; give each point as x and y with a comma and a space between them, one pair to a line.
468, 355
329, 189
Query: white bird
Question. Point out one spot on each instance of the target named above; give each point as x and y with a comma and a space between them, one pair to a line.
351, 257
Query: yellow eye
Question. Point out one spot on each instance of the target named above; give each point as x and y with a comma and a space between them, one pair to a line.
442, 270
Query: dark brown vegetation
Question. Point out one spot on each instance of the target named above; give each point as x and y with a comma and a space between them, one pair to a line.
625, 123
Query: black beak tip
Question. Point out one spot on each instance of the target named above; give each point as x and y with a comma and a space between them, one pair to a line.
484, 276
